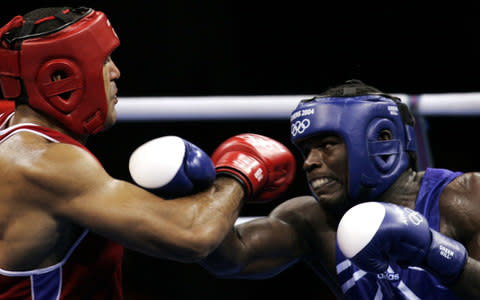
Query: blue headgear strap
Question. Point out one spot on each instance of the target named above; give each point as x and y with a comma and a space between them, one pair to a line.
373, 164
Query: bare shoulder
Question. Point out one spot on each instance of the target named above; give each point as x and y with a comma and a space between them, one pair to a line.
301, 211
316, 228
459, 206
63, 160
48, 170
463, 190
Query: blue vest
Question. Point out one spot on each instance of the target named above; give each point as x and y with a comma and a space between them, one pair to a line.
401, 283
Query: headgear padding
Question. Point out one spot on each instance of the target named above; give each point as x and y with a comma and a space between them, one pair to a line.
373, 164
77, 50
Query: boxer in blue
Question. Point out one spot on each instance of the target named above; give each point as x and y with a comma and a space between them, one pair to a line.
375, 228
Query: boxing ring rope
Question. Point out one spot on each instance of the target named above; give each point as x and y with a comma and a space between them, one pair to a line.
271, 107
279, 107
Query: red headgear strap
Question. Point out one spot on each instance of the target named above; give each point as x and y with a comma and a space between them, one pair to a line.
78, 52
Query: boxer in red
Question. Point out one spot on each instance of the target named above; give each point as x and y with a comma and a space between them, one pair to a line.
64, 219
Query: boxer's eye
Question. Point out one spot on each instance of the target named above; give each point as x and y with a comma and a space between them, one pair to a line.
384, 135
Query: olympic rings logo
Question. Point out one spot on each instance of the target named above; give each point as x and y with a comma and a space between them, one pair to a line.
299, 127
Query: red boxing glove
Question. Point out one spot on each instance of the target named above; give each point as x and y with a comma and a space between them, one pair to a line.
263, 166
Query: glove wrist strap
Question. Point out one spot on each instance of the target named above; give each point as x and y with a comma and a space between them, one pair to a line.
238, 176
445, 258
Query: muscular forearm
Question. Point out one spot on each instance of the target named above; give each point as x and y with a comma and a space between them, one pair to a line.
260, 248
202, 221
467, 286
184, 229
217, 215
228, 259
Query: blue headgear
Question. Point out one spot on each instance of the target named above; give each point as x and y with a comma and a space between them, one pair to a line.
373, 164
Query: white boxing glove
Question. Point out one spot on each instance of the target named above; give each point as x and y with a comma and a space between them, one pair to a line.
171, 167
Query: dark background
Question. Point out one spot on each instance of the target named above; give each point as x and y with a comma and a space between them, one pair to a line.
210, 47
177, 47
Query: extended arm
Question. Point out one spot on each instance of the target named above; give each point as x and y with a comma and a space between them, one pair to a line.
260, 248
186, 228
183, 229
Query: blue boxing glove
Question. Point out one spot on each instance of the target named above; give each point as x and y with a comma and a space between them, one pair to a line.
171, 167
374, 234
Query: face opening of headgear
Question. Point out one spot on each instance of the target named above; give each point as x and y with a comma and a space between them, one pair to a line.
52, 59
359, 114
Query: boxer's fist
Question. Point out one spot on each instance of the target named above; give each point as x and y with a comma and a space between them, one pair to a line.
263, 166
171, 167
373, 234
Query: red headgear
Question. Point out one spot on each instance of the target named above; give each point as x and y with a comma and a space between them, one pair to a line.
77, 50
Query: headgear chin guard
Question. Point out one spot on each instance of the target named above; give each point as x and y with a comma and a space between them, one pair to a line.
75, 50
373, 164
